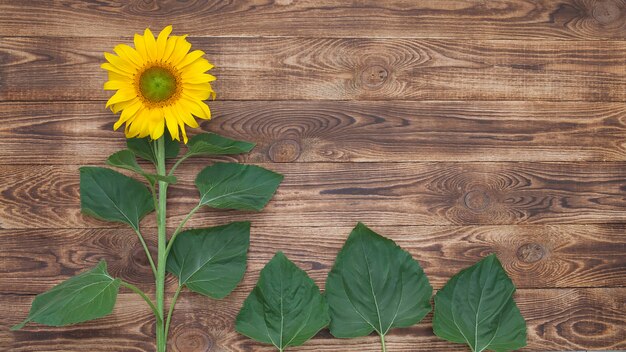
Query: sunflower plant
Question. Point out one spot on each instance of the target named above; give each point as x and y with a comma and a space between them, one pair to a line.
160, 87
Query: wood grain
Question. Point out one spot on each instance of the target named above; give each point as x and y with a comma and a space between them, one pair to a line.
496, 19
558, 319
328, 131
319, 194
554, 256
340, 69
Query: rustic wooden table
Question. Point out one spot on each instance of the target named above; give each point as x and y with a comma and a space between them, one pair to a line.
457, 128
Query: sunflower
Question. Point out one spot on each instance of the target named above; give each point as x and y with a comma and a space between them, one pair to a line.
159, 83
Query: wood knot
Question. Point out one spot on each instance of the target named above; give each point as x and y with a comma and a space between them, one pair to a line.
138, 255
193, 340
589, 328
284, 151
374, 76
477, 200
606, 12
530, 252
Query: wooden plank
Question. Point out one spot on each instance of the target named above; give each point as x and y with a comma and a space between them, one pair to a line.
558, 319
497, 19
327, 131
340, 69
340, 194
554, 256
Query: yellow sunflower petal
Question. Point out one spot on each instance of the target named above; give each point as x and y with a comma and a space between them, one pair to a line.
190, 58
197, 107
140, 45
198, 67
157, 123
107, 66
114, 76
198, 78
184, 114
180, 50
169, 48
123, 50
121, 63
128, 113
151, 47
171, 122
115, 85
121, 95
162, 41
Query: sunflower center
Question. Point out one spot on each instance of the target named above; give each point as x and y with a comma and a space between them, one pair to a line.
157, 84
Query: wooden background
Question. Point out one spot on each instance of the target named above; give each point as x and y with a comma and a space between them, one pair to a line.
457, 128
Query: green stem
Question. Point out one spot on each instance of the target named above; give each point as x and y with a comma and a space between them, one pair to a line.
147, 250
382, 343
169, 314
138, 291
161, 244
183, 158
180, 227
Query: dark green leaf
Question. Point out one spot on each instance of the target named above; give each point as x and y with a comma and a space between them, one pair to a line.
109, 195
87, 296
144, 147
285, 308
211, 261
125, 159
476, 307
375, 285
214, 144
236, 186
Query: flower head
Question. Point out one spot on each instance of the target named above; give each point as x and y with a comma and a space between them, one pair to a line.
159, 83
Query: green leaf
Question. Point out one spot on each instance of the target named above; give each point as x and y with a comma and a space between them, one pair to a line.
214, 144
476, 307
375, 285
285, 308
236, 186
109, 195
87, 296
211, 261
144, 147
125, 159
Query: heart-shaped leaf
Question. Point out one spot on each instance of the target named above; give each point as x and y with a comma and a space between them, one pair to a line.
87, 296
144, 147
125, 159
476, 307
375, 285
211, 261
285, 308
109, 195
236, 186
214, 144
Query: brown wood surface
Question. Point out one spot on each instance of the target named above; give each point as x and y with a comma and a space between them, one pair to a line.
494, 19
457, 128
330, 131
558, 319
555, 256
340, 69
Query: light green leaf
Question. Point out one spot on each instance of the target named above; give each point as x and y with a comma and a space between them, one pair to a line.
285, 308
125, 159
476, 307
87, 296
236, 186
109, 195
144, 147
375, 285
211, 261
214, 144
